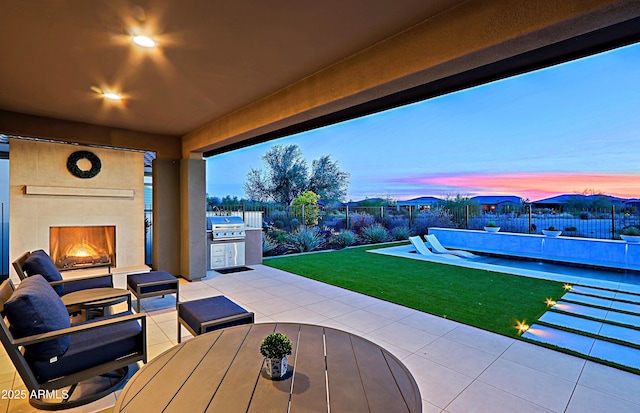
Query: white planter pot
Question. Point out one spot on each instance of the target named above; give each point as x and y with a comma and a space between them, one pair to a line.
550, 233
492, 229
631, 238
276, 368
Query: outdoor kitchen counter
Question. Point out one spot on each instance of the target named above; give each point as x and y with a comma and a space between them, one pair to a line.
329, 370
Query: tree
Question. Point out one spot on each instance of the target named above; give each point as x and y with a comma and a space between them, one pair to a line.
287, 176
309, 201
327, 180
285, 179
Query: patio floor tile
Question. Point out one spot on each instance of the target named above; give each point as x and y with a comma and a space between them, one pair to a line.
540, 388
363, 320
585, 399
438, 384
456, 356
608, 380
431, 324
403, 336
481, 398
480, 339
548, 361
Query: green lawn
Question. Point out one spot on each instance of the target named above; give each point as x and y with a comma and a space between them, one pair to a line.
488, 300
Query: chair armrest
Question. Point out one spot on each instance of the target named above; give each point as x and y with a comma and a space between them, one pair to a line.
92, 325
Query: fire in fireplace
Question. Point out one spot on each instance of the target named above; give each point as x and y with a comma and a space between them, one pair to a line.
82, 247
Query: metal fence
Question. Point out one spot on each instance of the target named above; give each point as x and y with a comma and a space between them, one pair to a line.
603, 223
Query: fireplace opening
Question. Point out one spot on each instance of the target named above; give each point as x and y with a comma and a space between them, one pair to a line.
82, 247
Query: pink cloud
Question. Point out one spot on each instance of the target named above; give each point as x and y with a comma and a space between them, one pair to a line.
534, 185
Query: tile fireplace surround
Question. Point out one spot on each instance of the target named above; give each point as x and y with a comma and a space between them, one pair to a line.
44, 194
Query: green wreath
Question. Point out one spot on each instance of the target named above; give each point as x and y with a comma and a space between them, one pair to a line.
72, 164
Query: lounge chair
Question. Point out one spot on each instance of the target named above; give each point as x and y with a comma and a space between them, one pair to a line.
422, 249
438, 248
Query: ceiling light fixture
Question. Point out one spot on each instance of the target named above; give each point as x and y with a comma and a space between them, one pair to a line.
144, 41
111, 96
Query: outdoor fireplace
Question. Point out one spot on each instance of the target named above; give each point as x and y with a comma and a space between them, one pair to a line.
82, 247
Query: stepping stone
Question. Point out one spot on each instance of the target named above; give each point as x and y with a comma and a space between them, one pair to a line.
560, 338
616, 353
593, 291
586, 299
628, 297
573, 322
580, 310
632, 320
620, 333
630, 308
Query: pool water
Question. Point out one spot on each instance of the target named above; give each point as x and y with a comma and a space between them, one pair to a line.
627, 277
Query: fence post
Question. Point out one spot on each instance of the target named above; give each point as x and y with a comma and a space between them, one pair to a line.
410, 218
530, 217
347, 218
381, 214
244, 208
466, 217
304, 222
613, 222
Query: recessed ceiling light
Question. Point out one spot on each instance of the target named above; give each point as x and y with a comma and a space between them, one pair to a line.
143, 41
112, 96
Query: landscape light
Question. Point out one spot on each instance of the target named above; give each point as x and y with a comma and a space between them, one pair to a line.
521, 326
549, 302
567, 287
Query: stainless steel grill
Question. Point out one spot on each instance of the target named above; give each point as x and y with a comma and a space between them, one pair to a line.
225, 240
222, 228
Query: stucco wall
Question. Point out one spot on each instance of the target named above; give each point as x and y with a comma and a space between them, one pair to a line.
44, 164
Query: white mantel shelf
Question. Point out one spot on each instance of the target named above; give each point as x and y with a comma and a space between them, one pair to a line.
71, 191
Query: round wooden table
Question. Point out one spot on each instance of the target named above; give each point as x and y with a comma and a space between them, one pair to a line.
222, 371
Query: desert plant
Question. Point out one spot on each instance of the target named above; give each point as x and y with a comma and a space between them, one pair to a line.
268, 243
631, 230
306, 207
275, 346
551, 228
400, 233
361, 221
344, 239
491, 224
375, 233
571, 229
304, 240
434, 217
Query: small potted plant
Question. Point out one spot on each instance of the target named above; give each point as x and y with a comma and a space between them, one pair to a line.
276, 348
491, 227
630, 234
551, 231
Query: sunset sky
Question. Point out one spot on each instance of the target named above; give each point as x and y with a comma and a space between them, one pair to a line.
559, 130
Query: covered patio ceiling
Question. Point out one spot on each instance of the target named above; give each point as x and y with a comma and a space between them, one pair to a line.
225, 73
212, 57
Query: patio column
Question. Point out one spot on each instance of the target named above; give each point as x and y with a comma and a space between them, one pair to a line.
193, 259
166, 215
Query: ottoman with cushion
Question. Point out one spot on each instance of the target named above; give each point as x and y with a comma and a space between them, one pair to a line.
152, 284
212, 313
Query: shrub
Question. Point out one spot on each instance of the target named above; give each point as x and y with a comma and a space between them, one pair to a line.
280, 237
434, 217
571, 229
375, 233
268, 244
303, 240
360, 221
395, 221
307, 204
400, 233
344, 238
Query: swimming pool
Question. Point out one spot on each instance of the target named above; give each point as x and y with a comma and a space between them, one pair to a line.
524, 267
